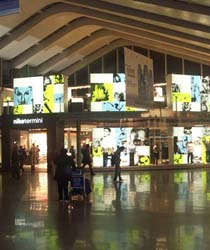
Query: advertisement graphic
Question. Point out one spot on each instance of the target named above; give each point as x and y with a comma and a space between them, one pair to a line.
38, 94
110, 95
106, 140
189, 93
139, 79
191, 145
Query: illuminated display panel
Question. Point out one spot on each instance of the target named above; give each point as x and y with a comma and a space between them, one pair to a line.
108, 92
158, 94
189, 93
195, 140
38, 94
139, 79
106, 140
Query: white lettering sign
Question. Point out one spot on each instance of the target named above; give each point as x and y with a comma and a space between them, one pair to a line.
28, 121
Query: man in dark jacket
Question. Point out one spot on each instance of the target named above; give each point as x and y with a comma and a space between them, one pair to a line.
64, 165
116, 162
86, 158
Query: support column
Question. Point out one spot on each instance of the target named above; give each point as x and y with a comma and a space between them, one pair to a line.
170, 145
6, 145
55, 140
9, 137
78, 125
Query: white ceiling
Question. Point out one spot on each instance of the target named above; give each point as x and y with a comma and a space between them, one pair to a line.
61, 36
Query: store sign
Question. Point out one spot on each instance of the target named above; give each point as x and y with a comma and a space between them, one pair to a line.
19, 121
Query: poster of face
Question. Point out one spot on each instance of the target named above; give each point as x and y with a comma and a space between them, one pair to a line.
38, 94
107, 140
110, 95
53, 94
139, 79
191, 145
27, 93
187, 93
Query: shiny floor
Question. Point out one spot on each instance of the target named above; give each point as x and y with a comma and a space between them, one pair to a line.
154, 210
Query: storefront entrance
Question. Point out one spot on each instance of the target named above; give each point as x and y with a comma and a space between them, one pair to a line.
39, 138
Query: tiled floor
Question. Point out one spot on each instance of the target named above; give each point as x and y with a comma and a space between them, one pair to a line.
155, 210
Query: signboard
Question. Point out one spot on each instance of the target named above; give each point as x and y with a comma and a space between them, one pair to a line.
108, 92
191, 145
106, 140
188, 93
139, 79
38, 94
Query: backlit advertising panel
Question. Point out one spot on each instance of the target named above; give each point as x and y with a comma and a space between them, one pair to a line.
108, 92
38, 94
188, 93
106, 140
139, 79
191, 145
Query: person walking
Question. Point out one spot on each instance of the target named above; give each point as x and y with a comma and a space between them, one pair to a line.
87, 160
15, 160
155, 151
116, 162
33, 157
22, 157
190, 152
64, 164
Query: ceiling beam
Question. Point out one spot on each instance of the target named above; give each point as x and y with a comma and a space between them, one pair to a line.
61, 7
179, 5
139, 13
120, 43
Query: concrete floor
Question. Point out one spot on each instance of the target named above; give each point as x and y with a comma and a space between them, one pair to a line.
154, 210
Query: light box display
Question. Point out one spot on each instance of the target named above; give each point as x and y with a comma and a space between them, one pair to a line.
139, 79
108, 92
189, 93
191, 139
106, 140
38, 94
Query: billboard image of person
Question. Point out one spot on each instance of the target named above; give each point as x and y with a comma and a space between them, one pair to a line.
38, 94
53, 94
139, 79
189, 93
108, 96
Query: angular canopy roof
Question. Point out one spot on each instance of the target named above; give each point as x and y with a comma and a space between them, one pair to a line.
64, 36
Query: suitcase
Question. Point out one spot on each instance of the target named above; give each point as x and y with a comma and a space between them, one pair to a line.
77, 185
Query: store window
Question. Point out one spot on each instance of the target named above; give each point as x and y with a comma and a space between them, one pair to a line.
206, 70
192, 68
174, 65
158, 66
110, 62
82, 76
71, 80
141, 51
121, 60
96, 66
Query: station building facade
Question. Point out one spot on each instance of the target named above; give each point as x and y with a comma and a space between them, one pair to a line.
76, 119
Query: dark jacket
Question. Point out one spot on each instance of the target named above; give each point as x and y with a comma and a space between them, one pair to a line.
62, 162
116, 156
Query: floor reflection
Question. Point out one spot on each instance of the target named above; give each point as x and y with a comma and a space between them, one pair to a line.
149, 210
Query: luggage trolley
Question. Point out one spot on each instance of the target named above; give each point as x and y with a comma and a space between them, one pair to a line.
77, 184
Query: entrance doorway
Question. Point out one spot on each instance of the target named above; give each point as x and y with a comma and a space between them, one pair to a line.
39, 138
